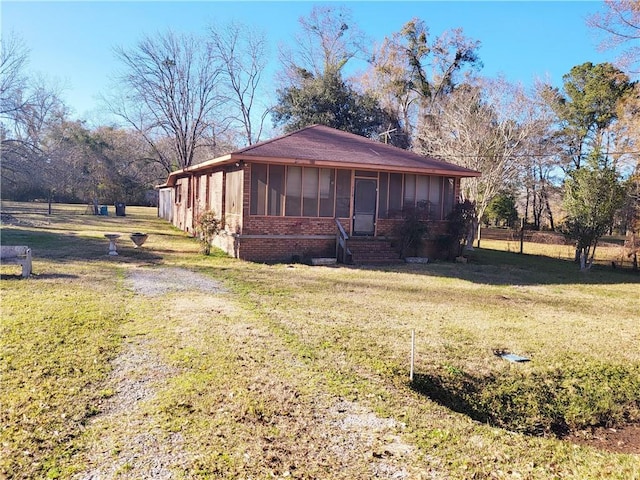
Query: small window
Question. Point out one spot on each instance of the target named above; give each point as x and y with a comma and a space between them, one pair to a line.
207, 193
449, 195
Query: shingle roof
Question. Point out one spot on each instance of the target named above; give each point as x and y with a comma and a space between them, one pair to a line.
323, 146
319, 144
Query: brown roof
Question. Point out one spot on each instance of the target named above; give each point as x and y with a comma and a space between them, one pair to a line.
323, 146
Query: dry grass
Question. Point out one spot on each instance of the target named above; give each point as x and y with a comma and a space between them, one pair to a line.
296, 371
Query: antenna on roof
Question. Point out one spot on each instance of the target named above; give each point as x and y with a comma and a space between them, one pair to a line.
386, 135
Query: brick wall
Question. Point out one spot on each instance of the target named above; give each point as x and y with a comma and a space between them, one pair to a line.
263, 225
386, 227
285, 249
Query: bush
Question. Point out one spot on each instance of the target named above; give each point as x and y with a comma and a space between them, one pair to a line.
207, 227
460, 222
413, 229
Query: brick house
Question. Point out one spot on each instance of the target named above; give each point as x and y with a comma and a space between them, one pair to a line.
315, 192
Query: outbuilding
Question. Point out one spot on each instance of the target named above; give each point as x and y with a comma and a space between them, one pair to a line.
317, 192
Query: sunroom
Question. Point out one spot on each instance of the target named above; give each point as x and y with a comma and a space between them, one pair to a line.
308, 193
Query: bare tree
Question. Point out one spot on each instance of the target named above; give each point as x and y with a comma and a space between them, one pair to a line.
29, 107
13, 59
620, 24
329, 38
386, 81
169, 89
25, 146
626, 130
540, 159
486, 128
411, 72
241, 51
41, 107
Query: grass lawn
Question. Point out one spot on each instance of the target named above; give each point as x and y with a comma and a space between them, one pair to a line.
292, 371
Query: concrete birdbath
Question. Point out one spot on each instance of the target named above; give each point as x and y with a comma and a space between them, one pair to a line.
138, 238
112, 242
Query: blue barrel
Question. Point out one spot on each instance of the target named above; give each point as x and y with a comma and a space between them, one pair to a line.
104, 210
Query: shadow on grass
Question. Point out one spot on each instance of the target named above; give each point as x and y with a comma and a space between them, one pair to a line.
494, 267
41, 276
462, 395
435, 389
553, 400
62, 247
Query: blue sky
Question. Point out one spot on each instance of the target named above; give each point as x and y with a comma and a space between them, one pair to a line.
73, 41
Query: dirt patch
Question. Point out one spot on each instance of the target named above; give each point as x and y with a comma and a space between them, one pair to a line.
8, 219
357, 427
615, 440
154, 282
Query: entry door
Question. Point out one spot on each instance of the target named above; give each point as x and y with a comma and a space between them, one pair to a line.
364, 206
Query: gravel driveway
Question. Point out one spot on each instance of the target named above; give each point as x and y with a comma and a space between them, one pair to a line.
128, 445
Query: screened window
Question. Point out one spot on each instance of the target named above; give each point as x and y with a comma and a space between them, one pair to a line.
343, 193
276, 190
401, 191
435, 197
293, 202
395, 193
299, 191
422, 189
310, 192
383, 191
366, 173
258, 189
449, 195
409, 191
327, 191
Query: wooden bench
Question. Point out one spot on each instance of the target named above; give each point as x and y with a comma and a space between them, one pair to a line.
19, 255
